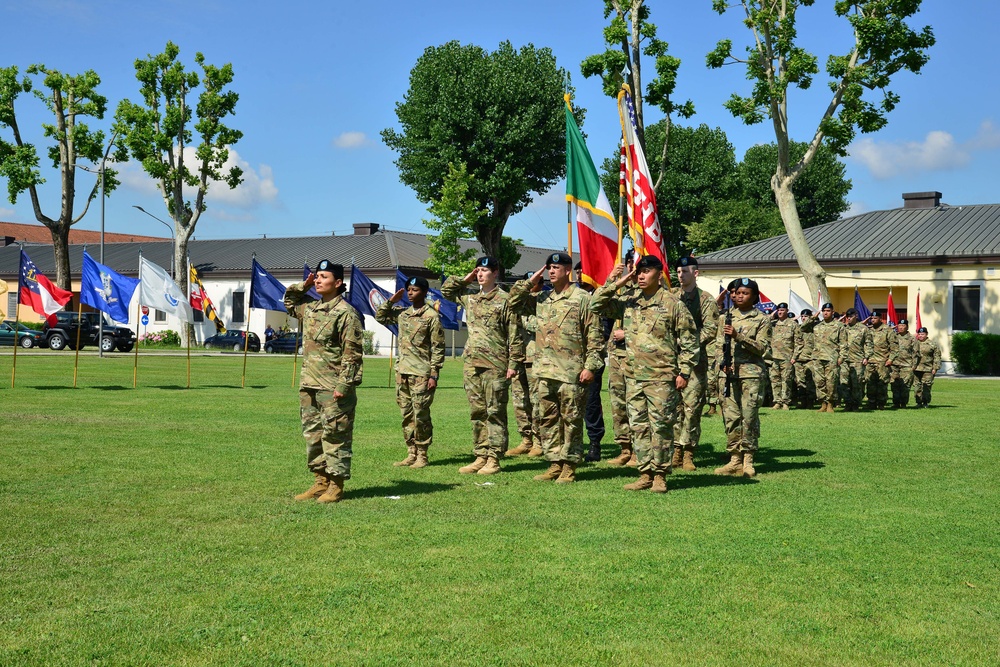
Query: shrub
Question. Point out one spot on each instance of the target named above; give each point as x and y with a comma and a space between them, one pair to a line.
976, 353
167, 338
370, 344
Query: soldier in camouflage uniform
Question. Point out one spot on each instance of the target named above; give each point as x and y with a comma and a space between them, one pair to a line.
524, 392
662, 345
618, 371
885, 346
926, 364
902, 367
421, 356
567, 358
803, 365
704, 312
750, 335
331, 372
786, 345
493, 356
859, 351
829, 352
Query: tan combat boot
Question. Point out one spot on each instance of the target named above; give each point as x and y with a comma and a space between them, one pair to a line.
622, 458
734, 467
748, 469
421, 461
492, 466
411, 457
474, 466
334, 492
521, 449
536, 450
633, 462
659, 483
644, 482
568, 474
554, 471
316, 490
711, 411
822, 408
678, 458
689, 459
829, 407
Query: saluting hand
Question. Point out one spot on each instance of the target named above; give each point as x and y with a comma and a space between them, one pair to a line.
617, 272
395, 298
310, 281
536, 277
471, 276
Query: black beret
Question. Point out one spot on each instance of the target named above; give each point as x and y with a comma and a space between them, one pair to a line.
578, 266
922, 330
417, 281
875, 314
806, 311
791, 315
559, 258
783, 305
489, 263
336, 269
733, 284
826, 306
904, 321
851, 312
687, 261
748, 282
649, 262
630, 255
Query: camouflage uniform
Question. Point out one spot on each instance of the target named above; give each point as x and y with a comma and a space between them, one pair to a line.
804, 370
751, 344
493, 347
568, 340
331, 361
421, 356
618, 370
786, 345
885, 347
661, 342
902, 368
704, 312
859, 352
829, 351
926, 364
524, 386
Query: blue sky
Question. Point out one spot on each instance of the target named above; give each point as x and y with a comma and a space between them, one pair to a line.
318, 81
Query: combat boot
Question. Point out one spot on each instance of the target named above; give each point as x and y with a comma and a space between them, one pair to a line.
334, 492
659, 483
622, 458
633, 462
822, 408
536, 451
689, 459
644, 482
594, 454
421, 461
554, 471
734, 467
492, 466
711, 411
748, 469
316, 490
829, 408
475, 466
523, 448
568, 474
411, 457
678, 458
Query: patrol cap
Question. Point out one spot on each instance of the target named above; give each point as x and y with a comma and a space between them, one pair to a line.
489, 263
417, 281
851, 312
922, 330
649, 262
806, 311
559, 258
687, 261
782, 305
826, 306
904, 321
336, 269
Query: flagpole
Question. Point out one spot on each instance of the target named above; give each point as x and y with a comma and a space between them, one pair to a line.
17, 314
79, 326
246, 345
295, 358
392, 346
189, 326
135, 363
621, 205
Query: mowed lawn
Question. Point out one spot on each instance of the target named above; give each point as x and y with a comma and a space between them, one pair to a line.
156, 526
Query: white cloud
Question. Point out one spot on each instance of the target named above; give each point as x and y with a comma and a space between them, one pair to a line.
856, 208
554, 198
939, 151
987, 138
7, 214
350, 140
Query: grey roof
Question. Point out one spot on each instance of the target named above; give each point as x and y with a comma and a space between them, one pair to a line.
938, 235
378, 253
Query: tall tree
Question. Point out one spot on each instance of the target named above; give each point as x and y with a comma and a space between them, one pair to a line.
499, 113
158, 133
733, 222
70, 99
884, 44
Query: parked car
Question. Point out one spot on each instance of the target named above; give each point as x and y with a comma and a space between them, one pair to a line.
233, 340
286, 342
26, 336
63, 333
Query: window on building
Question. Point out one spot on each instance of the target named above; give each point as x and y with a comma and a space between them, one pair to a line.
199, 316
159, 316
965, 305
12, 302
238, 306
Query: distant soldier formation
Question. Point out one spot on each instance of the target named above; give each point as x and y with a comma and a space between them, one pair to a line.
669, 353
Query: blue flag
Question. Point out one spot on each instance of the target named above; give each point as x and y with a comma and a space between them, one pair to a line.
106, 290
859, 305
312, 290
447, 310
366, 296
266, 292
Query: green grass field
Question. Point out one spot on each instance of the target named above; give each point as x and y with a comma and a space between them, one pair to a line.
156, 526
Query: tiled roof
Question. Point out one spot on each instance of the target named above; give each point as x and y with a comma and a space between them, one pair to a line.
17, 232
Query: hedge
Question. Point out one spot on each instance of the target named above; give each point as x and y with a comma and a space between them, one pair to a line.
976, 353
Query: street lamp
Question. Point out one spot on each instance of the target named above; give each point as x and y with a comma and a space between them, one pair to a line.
173, 241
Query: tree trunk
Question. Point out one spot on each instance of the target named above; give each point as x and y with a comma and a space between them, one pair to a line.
811, 270
60, 248
489, 236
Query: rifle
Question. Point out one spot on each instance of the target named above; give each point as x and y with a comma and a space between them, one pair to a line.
727, 356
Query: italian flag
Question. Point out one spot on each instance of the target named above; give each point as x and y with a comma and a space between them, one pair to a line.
595, 223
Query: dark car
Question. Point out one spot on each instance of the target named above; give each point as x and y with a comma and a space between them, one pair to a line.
233, 340
68, 326
286, 342
26, 337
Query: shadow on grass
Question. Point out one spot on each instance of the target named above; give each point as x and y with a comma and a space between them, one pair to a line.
402, 487
113, 387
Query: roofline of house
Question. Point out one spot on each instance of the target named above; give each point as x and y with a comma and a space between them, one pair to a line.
936, 260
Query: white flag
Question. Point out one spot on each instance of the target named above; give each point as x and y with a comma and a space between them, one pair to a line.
796, 303
157, 290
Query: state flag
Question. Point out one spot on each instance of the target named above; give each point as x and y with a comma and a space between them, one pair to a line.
366, 296
447, 310
266, 291
105, 289
158, 290
37, 291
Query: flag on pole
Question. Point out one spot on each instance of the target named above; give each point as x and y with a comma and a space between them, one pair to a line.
918, 310
366, 296
37, 291
796, 303
863, 312
105, 289
266, 291
764, 304
641, 200
890, 311
727, 302
158, 290
447, 310
595, 222
200, 301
